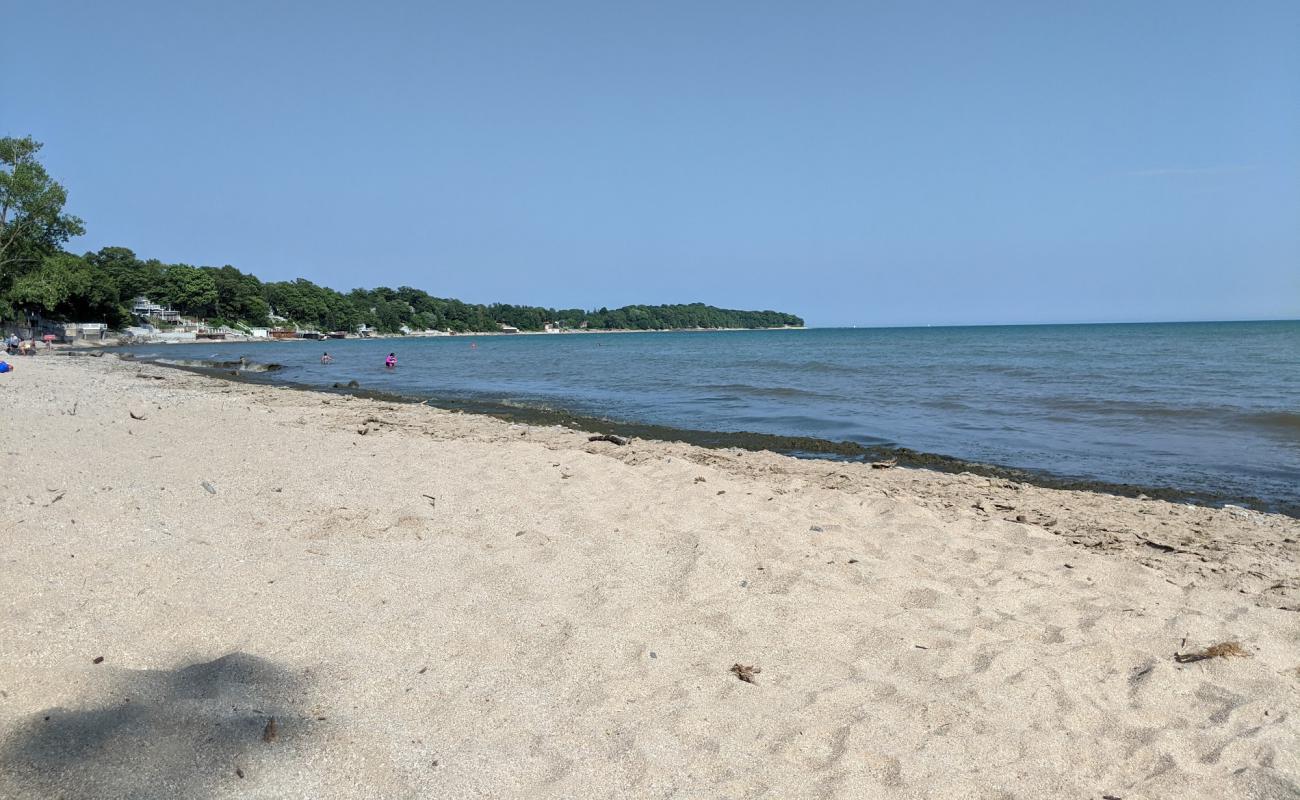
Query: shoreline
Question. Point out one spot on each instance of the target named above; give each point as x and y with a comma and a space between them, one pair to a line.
439, 604
797, 446
121, 343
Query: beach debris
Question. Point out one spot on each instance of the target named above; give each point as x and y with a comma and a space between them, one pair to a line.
653, 654
239, 772
816, 529
1220, 650
700, 479
97, 660
609, 437
270, 731
1161, 546
745, 673
1142, 672
210, 488
886, 464
136, 416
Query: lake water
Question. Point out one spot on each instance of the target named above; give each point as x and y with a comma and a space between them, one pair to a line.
1207, 407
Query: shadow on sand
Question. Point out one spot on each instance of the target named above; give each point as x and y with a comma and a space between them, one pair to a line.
195, 731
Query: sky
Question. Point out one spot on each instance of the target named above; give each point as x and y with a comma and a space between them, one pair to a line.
856, 163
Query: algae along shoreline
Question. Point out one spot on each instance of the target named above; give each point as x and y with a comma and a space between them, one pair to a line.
796, 446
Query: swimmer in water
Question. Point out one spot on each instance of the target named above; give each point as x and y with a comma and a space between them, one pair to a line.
326, 358
391, 361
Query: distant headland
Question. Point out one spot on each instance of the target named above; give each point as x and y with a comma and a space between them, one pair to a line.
40, 283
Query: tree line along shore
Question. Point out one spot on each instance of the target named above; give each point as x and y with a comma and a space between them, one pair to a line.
40, 279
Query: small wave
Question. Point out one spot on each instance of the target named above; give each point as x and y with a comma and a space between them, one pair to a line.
535, 405
947, 405
199, 363
1008, 369
1130, 408
1287, 421
745, 389
798, 366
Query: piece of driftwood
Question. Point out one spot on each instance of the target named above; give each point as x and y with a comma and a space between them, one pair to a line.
893, 462
1220, 650
1161, 546
609, 437
745, 673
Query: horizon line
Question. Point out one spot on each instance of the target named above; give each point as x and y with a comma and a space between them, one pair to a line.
1049, 324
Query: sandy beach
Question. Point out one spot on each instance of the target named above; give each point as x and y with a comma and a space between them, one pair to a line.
217, 590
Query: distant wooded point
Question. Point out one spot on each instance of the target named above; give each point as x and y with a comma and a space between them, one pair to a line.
39, 278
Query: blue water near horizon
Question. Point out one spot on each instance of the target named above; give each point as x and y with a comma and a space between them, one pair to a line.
1211, 407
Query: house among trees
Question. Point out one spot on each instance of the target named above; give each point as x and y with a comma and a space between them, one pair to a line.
144, 307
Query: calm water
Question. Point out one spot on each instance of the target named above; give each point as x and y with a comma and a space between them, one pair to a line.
1211, 407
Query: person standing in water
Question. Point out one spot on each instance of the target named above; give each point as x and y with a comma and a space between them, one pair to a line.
326, 359
391, 361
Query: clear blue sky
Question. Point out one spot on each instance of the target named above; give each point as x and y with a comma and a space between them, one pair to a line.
854, 162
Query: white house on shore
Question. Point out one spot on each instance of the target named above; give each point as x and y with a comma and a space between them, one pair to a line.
144, 307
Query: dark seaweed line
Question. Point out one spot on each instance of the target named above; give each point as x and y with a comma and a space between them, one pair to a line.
796, 446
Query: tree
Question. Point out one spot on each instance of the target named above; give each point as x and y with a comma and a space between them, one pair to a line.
239, 296
189, 290
65, 286
132, 276
32, 222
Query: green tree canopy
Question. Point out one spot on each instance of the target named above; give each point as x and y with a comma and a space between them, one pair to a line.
189, 290
38, 277
132, 276
32, 222
239, 296
68, 287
